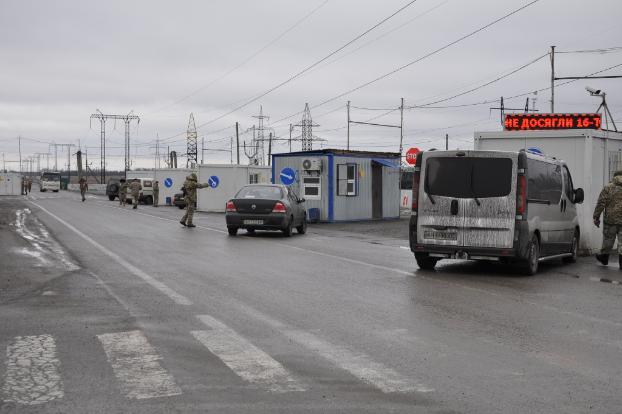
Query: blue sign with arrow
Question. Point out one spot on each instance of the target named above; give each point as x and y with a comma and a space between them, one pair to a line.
168, 182
288, 176
213, 181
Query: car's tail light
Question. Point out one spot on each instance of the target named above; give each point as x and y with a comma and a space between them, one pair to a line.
415, 195
279, 208
230, 207
521, 199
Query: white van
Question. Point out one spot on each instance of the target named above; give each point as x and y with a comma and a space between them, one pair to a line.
146, 194
493, 205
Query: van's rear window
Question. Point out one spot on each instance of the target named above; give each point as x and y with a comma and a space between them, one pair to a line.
468, 177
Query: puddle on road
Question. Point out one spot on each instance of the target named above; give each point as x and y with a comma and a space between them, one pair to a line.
43, 248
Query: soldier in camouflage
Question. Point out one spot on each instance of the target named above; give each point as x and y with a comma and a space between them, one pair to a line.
191, 187
123, 192
610, 201
135, 188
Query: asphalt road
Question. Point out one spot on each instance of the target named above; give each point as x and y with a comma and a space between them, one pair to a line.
111, 310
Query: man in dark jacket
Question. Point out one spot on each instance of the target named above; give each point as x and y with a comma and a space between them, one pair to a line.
610, 201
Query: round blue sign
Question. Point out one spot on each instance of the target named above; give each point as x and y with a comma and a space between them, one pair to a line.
287, 176
168, 182
213, 181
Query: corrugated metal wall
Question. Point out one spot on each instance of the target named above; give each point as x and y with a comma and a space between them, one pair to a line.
390, 192
295, 162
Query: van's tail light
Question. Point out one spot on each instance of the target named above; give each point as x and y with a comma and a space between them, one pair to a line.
521, 199
279, 208
415, 195
230, 207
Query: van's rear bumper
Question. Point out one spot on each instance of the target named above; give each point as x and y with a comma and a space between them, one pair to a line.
519, 250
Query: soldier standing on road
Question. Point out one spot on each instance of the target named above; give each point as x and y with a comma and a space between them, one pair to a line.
29, 185
156, 193
24, 186
610, 201
122, 191
135, 188
191, 187
83, 187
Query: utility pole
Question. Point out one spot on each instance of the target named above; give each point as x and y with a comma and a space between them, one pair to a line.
191, 144
348, 142
552, 79
291, 128
269, 149
202, 149
19, 143
401, 128
237, 140
231, 148
446, 141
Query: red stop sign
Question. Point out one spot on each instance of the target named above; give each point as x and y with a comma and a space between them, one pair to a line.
411, 155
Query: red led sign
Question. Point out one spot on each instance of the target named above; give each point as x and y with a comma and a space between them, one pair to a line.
529, 122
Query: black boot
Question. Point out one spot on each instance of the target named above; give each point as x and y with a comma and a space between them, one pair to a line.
603, 258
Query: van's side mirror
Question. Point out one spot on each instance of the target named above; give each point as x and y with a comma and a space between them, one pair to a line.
579, 196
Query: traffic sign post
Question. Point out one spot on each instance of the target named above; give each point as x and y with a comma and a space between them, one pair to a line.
287, 176
213, 181
411, 155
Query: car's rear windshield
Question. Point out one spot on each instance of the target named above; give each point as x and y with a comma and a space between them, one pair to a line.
260, 192
468, 177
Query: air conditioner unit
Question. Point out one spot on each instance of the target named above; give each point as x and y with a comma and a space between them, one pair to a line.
312, 164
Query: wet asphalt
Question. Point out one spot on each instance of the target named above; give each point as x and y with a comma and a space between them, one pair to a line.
347, 318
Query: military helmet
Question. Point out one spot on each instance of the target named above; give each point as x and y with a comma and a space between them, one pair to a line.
194, 176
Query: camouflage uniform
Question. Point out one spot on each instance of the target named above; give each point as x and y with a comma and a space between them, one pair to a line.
610, 201
156, 193
123, 193
83, 188
135, 188
191, 187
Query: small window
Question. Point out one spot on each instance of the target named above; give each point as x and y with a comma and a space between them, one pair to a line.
311, 188
253, 178
346, 179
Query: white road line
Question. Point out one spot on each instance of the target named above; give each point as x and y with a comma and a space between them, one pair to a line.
357, 363
245, 359
176, 297
33, 371
135, 364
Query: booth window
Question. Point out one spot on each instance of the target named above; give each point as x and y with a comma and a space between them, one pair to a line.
312, 188
253, 178
346, 179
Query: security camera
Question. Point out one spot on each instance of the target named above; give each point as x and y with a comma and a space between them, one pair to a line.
592, 90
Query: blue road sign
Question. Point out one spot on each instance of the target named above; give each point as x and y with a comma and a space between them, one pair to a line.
213, 181
168, 182
288, 176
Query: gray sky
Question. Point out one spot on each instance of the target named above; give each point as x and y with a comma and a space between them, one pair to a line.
62, 60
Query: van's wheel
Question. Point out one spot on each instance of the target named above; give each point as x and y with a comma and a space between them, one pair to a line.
111, 197
181, 207
232, 231
574, 249
425, 262
531, 266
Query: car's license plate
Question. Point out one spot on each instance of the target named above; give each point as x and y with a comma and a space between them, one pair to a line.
253, 221
440, 235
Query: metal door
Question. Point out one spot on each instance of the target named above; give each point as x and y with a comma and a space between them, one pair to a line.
376, 190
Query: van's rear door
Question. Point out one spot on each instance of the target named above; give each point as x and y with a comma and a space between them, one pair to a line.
468, 199
493, 181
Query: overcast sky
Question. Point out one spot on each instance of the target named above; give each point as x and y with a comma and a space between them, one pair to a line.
63, 60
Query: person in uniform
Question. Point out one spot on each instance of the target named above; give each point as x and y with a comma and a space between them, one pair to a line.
610, 202
24, 186
83, 187
156, 193
29, 184
191, 187
135, 188
122, 191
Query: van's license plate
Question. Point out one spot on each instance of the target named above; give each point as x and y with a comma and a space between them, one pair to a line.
253, 221
440, 235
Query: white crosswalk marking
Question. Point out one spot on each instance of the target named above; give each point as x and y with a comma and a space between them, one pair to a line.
135, 364
357, 363
245, 359
33, 371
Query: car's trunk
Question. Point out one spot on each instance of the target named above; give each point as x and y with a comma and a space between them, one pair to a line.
254, 206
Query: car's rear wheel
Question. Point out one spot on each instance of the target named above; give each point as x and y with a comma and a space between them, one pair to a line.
287, 231
302, 229
111, 197
531, 266
425, 262
574, 250
232, 231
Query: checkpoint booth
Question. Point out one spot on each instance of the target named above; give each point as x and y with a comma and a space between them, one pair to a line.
224, 182
10, 184
591, 153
